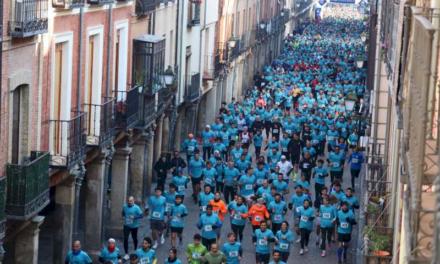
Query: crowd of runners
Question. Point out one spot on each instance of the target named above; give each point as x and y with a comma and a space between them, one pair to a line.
272, 161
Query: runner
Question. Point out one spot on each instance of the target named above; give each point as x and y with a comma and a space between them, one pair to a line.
262, 239
307, 215
195, 167
131, 213
278, 210
238, 212
219, 207
232, 249
285, 239
208, 223
181, 182
76, 255
195, 250
205, 197
327, 215
172, 257
258, 213
146, 254
110, 253
345, 220
177, 213
156, 206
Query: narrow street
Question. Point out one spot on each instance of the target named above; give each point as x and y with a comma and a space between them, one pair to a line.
320, 61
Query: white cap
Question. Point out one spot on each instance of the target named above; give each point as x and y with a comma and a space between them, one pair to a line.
208, 126
283, 157
111, 240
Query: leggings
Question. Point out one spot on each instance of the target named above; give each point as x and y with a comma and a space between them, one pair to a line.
305, 235
229, 192
219, 186
326, 235
238, 231
354, 174
127, 232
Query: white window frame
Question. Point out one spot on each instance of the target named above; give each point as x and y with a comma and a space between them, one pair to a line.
122, 73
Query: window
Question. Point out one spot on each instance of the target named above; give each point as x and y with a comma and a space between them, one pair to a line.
194, 12
120, 61
20, 117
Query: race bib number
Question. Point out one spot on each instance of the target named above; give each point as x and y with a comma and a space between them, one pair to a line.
156, 214
248, 187
176, 218
284, 246
145, 261
258, 218
195, 255
208, 181
284, 149
314, 141
129, 220
277, 217
288, 131
297, 209
191, 148
203, 208
260, 181
233, 254
326, 215
344, 225
330, 138
354, 160
181, 188
168, 207
275, 131
262, 242
304, 218
237, 216
335, 164
208, 228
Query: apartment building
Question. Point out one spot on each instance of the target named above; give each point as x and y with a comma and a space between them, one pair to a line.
402, 184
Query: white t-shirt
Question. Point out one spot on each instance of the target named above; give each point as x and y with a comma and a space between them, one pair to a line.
285, 167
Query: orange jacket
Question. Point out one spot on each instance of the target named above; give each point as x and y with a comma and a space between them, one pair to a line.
258, 213
219, 208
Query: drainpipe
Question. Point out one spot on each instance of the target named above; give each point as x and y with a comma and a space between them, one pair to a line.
109, 46
79, 171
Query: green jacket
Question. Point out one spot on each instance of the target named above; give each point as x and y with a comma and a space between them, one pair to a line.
218, 258
194, 253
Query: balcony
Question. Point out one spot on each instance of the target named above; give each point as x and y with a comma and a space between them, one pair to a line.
100, 122
29, 18
127, 108
149, 112
67, 4
28, 186
192, 90
165, 99
234, 48
100, 2
67, 140
145, 7
148, 63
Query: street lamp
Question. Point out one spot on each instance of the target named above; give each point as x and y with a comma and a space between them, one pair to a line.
232, 43
350, 102
169, 76
262, 25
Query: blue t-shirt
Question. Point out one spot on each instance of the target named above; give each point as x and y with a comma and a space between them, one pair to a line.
297, 202
327, 213
209, 176
106, 255
195, 167
285, 239
204, 199
176, 261
247, 184
356, 159
280, 186
207, 137
260, 175
147, 256
230, 176
208, 224
132, 215
277, 211
157, 207
262, 240
180, 182
258, 140
337, 160
236, 213
345, 221
80, 257
306, 217
177, 213
232, 252
320, 174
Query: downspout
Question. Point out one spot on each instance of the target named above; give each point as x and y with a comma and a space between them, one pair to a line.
202, 29
109, 47
80, 172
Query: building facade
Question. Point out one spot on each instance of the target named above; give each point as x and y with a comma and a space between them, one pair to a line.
402, 178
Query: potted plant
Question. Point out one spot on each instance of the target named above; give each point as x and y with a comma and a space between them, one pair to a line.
379, 244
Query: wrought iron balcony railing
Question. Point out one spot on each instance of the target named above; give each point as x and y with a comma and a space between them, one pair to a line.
29, 18
67, 4
164, 100
145, 7
192, 92
68, 140
149, 112
28, 186
127, 108
100, 122
100, 2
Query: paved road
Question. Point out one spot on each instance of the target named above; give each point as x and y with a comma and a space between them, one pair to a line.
313, 256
